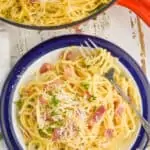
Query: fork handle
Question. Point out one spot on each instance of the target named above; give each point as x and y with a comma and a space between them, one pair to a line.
144, 122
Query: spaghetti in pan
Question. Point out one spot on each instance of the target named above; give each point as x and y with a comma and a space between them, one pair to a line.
48, 12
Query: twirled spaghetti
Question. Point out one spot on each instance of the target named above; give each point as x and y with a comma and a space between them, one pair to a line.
48, 12
70, 105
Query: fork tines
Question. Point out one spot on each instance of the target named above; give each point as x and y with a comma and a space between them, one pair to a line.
90, 44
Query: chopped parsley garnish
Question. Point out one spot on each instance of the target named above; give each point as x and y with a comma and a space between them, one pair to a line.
85, 85
19, 104
60, 123
49, 92
54, 125
49, 130
54, 113
55, 101
42, 133
57, 124
92, 98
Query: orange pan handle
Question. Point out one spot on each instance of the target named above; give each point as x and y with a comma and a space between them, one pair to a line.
140, 7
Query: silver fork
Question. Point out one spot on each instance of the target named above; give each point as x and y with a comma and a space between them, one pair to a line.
109, 75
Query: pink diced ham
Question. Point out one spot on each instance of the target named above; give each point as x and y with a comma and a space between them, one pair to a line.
71, 55
108, 133
69, 72
87, 95
42, 100
46, 67
96, 116
119, 110
56, 134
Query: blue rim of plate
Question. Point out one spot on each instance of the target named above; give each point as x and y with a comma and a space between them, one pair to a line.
51, 45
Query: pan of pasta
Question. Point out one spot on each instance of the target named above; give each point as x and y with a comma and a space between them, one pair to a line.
54, 14
56, 99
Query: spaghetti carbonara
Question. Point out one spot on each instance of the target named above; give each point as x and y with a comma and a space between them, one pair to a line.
48, 12
70, 105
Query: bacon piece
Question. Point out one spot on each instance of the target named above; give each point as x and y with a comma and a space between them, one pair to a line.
48, 117
56, 134
71, 55
53, 84
119, 110
69, 72
108, 133
28, 92
97, 116
42, 100
87, 95
44, 116
46, 67
61, 54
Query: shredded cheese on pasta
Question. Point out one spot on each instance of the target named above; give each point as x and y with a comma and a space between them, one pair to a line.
70, 105
48, 12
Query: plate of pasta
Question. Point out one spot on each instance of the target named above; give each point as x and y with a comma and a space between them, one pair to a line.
56, 99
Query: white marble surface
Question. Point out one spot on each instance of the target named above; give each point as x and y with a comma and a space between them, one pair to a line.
4, 56
117, 25
4, 65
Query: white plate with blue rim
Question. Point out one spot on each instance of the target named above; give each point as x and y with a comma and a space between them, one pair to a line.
50, 49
